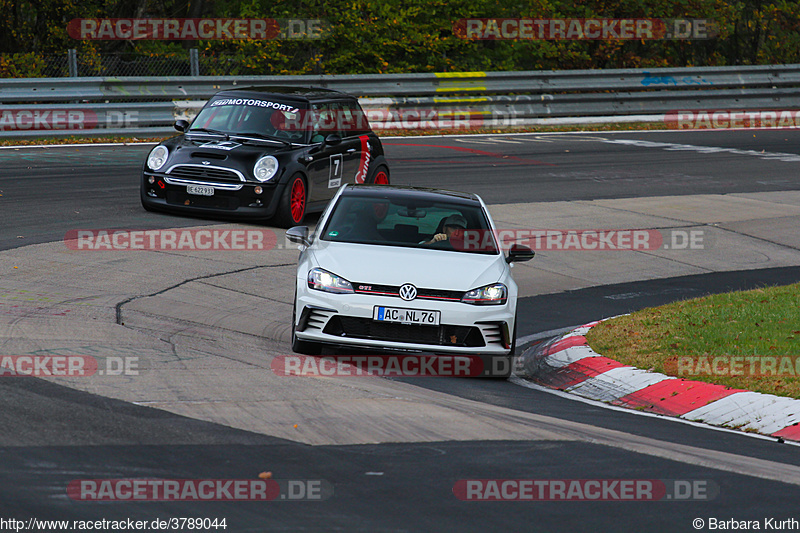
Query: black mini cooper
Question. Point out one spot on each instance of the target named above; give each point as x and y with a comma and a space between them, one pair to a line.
264, 153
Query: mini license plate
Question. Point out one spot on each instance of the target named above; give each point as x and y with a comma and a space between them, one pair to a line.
200, 190
420, 317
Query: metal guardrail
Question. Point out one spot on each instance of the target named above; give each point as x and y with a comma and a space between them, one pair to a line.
100, 105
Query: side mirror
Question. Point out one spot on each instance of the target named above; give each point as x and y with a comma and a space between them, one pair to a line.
298, 235
518, 253
181, 125
333, 139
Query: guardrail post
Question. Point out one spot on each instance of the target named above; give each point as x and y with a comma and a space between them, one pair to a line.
194, 62
72, 62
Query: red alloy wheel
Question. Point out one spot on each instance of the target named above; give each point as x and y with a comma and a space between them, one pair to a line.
298, 200
381, 178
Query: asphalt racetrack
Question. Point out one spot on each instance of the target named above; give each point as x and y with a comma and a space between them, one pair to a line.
390, 454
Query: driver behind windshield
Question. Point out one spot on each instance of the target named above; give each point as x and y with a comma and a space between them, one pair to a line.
452, 235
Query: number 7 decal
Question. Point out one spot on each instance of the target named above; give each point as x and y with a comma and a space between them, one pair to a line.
335, 174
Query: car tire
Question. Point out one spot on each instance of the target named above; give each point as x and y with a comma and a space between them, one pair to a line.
299, 346
293, 203
380, 176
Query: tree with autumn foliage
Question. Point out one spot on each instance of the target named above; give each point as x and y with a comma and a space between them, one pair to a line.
399, 36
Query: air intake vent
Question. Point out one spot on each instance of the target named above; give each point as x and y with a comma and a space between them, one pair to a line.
204, 173
365, 328
493, 334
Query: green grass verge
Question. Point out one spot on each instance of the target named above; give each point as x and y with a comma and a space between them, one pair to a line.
748, 340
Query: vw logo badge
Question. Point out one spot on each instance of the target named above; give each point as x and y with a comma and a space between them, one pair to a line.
408, 292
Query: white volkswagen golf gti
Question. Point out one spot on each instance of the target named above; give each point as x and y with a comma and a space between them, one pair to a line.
404, 268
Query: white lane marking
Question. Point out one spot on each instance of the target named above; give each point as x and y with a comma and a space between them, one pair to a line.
473, 141
534, 139
21, 146
672, 147
491, 141
519, 138
508, 141
779, 156
457, 136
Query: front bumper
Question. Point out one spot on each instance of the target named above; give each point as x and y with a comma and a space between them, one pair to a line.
347, 320
244, 202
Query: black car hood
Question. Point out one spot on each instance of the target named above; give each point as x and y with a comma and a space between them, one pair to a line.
215, 151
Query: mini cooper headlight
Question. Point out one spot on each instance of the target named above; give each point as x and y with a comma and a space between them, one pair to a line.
495, 294
265, 168
157, 157
322, 280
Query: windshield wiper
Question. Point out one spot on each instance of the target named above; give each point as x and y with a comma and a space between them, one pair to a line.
213, 132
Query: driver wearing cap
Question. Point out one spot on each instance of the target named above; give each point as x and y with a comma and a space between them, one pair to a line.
453, 233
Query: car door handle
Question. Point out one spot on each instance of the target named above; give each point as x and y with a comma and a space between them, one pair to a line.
351, 150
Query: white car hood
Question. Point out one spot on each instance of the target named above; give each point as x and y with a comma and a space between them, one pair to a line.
390, 265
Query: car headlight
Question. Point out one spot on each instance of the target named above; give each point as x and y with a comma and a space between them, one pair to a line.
265, 168
495, 294
322, 280
157, 157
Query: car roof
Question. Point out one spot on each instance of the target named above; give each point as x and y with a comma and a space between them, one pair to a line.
424, 194
301, 94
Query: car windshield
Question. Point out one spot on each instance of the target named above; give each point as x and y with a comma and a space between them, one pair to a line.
411, 223
260, 118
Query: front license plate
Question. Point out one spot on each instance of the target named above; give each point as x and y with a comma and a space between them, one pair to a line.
200, 190
406, 316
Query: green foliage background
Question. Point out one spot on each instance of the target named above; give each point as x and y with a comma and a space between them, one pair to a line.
386, 36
